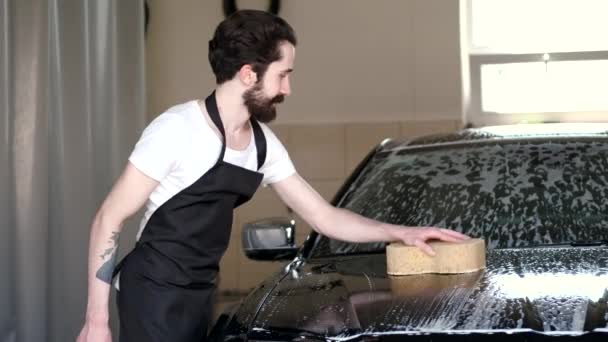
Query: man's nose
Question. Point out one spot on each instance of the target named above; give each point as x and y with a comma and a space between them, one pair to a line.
285, 87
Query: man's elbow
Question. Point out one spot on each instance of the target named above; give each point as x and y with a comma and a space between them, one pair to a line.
326, 221
105, 219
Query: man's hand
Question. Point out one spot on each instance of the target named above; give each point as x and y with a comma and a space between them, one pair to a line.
418, 236
95, 332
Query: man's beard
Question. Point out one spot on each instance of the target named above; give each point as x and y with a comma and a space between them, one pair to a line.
260, 107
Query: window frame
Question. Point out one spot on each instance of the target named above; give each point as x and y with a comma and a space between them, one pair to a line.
477, 57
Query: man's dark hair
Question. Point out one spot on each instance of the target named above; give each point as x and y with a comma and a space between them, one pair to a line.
247, 37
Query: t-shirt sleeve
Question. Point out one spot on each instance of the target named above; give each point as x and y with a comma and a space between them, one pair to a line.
278, 165
158, 150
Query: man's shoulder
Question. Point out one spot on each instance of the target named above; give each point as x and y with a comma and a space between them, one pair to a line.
178, 117
182, 108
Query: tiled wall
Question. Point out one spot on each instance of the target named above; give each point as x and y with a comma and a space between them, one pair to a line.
324, 155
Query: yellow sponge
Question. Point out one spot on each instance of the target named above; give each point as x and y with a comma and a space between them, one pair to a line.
451, 257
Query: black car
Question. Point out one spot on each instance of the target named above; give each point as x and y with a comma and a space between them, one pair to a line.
537, 195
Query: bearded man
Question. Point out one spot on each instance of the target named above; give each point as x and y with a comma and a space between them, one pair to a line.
192, 166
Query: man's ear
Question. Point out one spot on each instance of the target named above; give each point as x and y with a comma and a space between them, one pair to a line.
247, 76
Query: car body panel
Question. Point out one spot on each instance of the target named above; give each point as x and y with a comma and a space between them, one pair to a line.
561, 289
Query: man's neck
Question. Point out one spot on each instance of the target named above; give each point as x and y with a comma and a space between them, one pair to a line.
232, 109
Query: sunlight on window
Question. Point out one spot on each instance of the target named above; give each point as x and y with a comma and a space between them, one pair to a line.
534, 286
526, 26
536, 87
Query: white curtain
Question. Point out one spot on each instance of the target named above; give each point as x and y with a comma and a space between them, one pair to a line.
72, 102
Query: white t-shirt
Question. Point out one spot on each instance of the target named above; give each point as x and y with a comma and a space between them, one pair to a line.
179, 146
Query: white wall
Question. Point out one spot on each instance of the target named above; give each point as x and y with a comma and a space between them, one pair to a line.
356, 61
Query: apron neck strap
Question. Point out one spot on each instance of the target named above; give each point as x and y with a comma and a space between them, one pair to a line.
214, 114
260, 140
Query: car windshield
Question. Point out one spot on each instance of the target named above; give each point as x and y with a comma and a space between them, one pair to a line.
511, 193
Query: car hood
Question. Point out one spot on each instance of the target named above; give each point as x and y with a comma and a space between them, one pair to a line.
556, 290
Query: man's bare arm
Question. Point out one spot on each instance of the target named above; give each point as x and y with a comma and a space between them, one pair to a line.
345, 225
127, 196
104, 273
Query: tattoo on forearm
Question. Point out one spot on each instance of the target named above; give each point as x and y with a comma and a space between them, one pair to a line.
104, 273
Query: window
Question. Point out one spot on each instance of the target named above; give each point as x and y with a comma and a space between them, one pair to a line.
511, 193
537, 60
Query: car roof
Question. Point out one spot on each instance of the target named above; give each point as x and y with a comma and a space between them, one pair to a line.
504, 132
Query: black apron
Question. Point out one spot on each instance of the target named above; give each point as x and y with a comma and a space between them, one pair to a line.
167, 282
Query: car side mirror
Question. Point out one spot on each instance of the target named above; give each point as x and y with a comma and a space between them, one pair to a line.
270, 239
